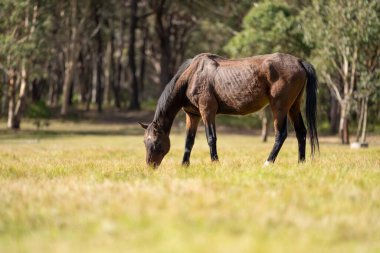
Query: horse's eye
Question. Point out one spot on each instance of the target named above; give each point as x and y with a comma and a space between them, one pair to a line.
157, 147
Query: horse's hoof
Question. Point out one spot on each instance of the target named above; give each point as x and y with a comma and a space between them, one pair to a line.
267, 163
186, 164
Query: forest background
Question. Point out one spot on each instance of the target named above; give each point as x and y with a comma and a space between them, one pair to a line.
60, 59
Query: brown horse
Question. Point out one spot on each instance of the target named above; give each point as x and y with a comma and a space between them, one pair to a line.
209, 84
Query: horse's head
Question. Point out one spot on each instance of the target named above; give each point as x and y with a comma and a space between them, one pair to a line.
157, 144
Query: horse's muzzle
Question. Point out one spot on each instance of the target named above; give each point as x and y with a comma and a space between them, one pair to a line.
152, 164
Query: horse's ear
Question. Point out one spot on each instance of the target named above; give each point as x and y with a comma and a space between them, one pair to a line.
145, 126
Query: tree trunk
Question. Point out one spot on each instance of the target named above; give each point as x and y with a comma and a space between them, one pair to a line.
11, 97
70, 57
114, 72
21, 97
343, 130
107, 73
15, 109
334, 115
163, 33
346, 133
143, 58
344, 122
58, 79
165, 61
94, 79
99, 59
360, 121
116, 87
35, 90
365, 116
134, 103
89, 94
4, 97
53, 86
116, 84
71, 90
82, 85
68, 80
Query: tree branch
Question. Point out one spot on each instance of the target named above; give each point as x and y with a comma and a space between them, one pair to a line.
333, 87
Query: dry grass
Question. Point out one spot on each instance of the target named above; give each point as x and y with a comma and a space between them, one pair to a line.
93, 193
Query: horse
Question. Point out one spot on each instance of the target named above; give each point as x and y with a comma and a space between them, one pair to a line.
208, 84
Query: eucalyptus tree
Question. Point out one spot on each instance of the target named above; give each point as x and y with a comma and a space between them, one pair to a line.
18, 42
74, 17
345, 34
368, 80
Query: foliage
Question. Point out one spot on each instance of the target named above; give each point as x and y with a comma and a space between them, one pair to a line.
334, 27
19, 37
269, 27
217, 21
40, 113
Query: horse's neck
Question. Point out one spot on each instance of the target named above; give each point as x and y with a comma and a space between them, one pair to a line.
166, 113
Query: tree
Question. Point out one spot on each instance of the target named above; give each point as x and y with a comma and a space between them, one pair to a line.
98, 18
72, 46
134, 103
17, 41
267, 28
369, 69
340, 31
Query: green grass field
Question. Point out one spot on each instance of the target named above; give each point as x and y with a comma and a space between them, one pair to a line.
85, 188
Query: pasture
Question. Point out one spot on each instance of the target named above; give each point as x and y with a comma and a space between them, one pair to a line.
85, 188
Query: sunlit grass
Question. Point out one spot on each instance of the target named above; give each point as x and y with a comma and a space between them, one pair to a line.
93, 193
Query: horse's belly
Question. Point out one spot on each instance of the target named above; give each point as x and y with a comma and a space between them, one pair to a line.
240, 100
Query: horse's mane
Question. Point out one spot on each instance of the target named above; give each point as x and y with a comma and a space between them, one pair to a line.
168, 93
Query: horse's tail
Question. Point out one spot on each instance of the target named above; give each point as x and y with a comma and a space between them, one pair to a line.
311, 104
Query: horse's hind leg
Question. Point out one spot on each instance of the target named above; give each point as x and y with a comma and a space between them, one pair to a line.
281, 132
299, 127
191, 130
211, 138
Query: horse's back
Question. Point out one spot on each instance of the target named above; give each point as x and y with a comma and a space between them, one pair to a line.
244, 85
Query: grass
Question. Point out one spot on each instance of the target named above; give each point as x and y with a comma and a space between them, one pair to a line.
69, 192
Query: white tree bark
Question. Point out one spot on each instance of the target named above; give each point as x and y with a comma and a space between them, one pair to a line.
364, 127
11, 96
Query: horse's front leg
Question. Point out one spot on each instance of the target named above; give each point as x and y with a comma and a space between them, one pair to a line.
191, 130
208, 106
208, 117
